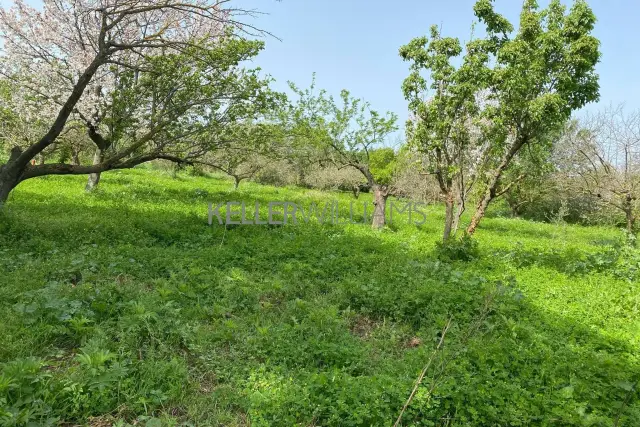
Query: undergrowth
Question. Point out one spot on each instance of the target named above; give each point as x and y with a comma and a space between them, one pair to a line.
124, 307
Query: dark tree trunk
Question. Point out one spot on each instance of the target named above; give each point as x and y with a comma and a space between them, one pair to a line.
10, 174
380, 203
356, 191
75, 158
94, 178
64, 113
514, 206
14, 170
448, 217
481, 209
628, 211
492, 187
6, 185
236, 182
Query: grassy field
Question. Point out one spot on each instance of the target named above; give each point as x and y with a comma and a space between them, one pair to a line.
124, 307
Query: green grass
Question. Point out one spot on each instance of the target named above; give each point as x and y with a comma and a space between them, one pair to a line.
124, 306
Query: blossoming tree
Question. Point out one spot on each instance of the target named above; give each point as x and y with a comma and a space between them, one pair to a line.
144, 78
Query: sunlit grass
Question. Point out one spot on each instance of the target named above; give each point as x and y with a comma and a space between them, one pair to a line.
302, 324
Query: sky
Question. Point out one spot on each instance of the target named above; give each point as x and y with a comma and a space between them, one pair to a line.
353, 44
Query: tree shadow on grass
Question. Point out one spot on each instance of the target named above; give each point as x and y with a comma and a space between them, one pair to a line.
269, 313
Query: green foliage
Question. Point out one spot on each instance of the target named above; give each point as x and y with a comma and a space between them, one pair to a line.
512, 89
382, 163
542, 73
464, 248
123, 307
347, 131
440, 126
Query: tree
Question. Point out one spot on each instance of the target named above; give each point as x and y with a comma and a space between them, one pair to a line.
441, 128
17, 126
244, 150
530, 177
69, 59
537, 78
602, 160
349, 134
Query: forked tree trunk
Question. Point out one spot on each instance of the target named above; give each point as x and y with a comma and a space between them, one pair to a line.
380, 195
448, 217
12, 172
94, 178
492, 186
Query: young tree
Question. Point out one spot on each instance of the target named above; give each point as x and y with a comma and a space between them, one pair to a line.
442, 126
349, 135
66, 59
537, 78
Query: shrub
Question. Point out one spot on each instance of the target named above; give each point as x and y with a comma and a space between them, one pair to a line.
462, 249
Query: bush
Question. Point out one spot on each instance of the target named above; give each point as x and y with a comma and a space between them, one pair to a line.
462, 249
332, 178
279, 174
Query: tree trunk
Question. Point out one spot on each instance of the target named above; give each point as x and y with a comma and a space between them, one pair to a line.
492, 186
236, 182
628, 211
514, 206
356, 191
13, 171
42, 159
448, 217
94, 178
10, 174
460, 209
631, 222
481, 209
75, 158
380, 203
6, 185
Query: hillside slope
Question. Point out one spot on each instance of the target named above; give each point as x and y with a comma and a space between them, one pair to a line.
125, 305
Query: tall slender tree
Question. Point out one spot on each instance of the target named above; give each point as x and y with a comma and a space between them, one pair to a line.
444, 109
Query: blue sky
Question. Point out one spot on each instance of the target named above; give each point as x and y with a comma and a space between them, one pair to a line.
353, 44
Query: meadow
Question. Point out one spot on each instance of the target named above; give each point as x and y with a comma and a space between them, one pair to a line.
124, 307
